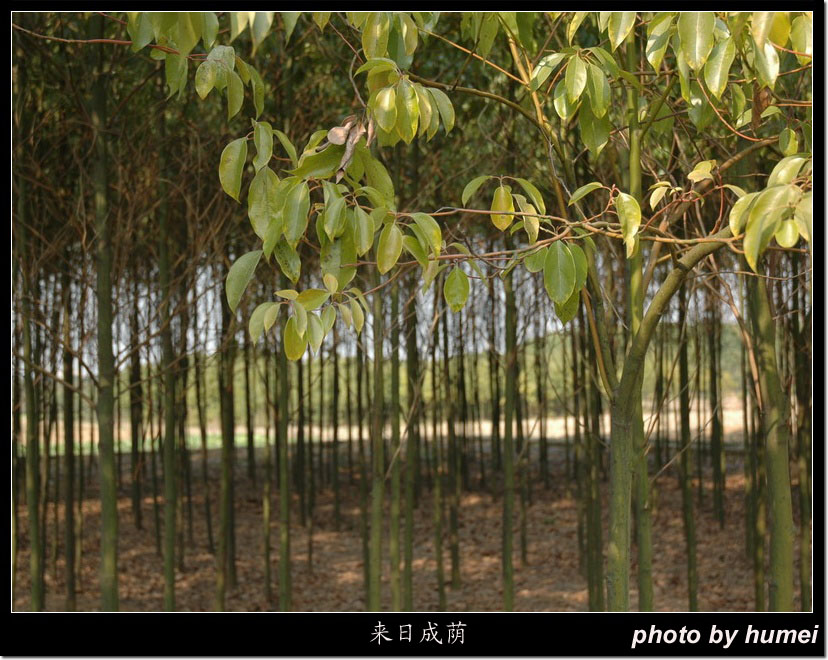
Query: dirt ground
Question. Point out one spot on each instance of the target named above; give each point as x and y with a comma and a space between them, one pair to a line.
550, 581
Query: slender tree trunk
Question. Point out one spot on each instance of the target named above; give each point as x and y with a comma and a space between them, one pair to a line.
68, 442
685, 462
412, 444
775, 418
106, 363
378, 481
394, 531
136, 405
283, 410
168, 384
508, 448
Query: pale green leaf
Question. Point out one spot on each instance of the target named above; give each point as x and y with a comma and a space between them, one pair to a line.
239, 276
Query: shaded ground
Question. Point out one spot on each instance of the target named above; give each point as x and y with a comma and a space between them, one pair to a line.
551, 580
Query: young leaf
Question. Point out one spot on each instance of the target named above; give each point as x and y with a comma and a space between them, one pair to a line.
239, 276
629, 215
473, 186
316, 333
502, 203
294, 342
430, 229
262, 319
534, 194
583, 191
312, 299
456, 289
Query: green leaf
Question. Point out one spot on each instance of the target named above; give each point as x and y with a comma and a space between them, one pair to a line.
702, 171
535, 261
288, 259
619, 26
262, 319
210, 29
295, 213
473, 186
599, 91
583, 191
718, 66
545, 67
363, 231
260, 27
657, 195
312, 299
316, 333
357, 314
239, 276
319, 165
456, 289
788, 234
263, 203
301, 316
412, 245
575, 78
764, 216
766, 63
257, 84
205, 78
444, 107
629, 215
294, 342
328, 318
534, 194
569, 309
803, 215
802, 30
430, 229
504, 205
788, 142
175, 71
786, 170
389, 248
560, 100
263, 139
760, 26
231, 167
695, 30
408, 111
375, 34
594, 130
559, 272
289, 18
574, 24
488, 31
235, 95
658, 38
385, 108
738, 213
288, 294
